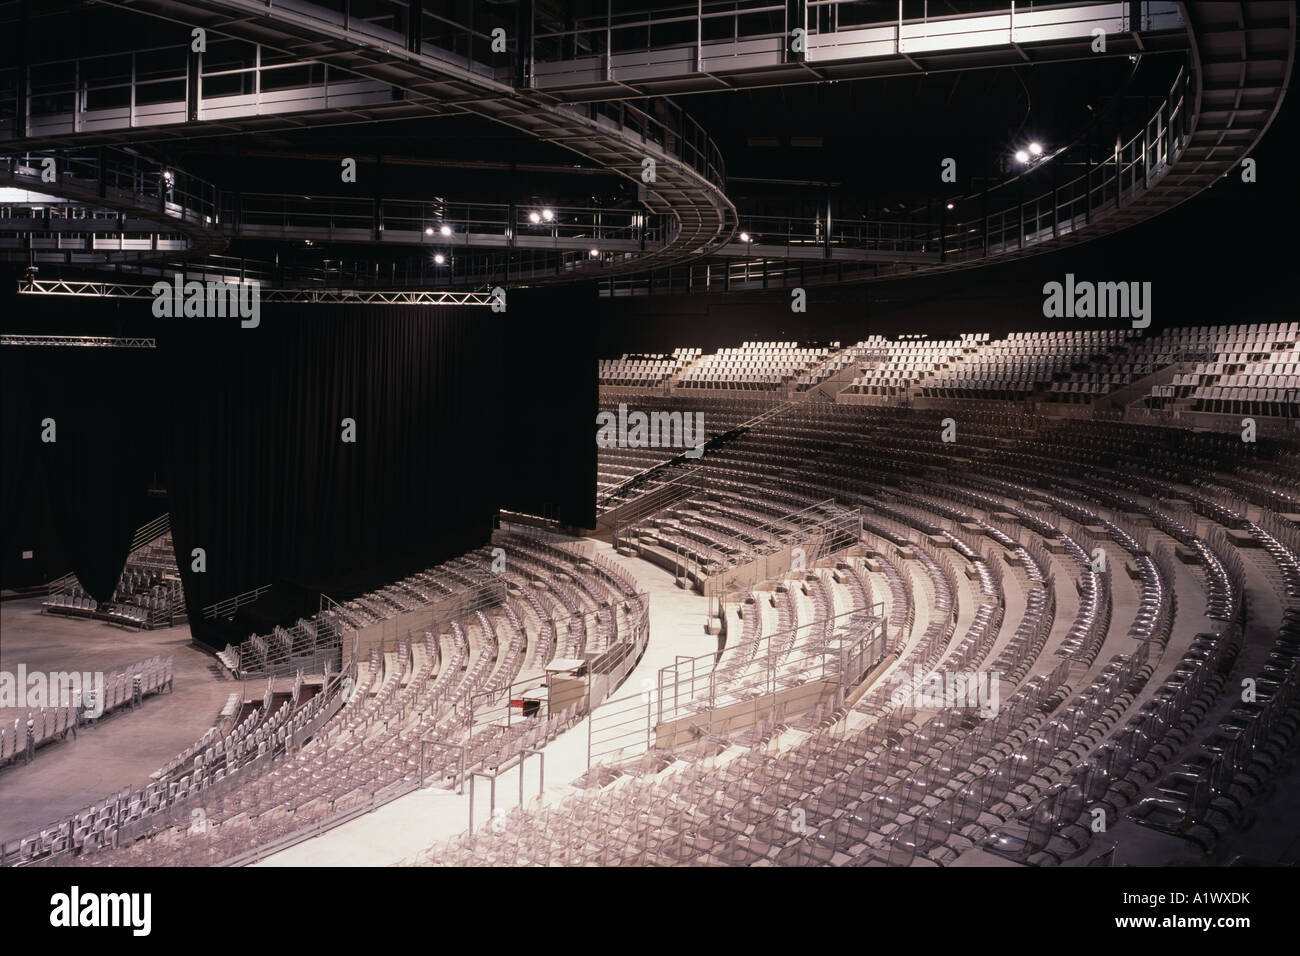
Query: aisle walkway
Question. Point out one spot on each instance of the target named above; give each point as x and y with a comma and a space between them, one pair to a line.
396, 832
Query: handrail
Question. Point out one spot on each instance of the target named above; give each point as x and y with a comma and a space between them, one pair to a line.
232, 604
151, 531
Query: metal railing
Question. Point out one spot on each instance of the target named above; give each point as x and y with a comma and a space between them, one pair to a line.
790, 671
1025, 211
230, 605
537, 225
126, 177
151, 531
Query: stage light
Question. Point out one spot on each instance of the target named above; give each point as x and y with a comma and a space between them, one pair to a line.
949, 205
428, 230
439, 258
547, 215
595, 253
168, 177
1035, 149
446, 230
744, 237
534, 217
1022, 156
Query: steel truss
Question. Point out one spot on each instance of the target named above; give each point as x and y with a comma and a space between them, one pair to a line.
117, 290
79, 341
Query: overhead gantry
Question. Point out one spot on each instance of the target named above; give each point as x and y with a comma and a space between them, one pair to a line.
565, 86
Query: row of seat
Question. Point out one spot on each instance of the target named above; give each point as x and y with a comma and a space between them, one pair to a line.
78, 701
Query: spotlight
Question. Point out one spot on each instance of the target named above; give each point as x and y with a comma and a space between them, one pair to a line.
547, 215
1022, 156
439, 258
595, 253
949, 205
1035, 149
534, 217
744, 237
168, 177
428, 230
446, 230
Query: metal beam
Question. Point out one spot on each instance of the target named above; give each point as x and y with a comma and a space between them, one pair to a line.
79, 341
118, 290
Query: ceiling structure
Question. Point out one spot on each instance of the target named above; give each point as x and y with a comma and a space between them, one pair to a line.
669, 147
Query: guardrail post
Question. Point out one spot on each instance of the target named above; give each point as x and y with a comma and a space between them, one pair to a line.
1056, 205
1087, 191
1119, 174
541, 773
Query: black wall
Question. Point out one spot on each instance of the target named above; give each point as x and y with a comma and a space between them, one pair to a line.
458, 412
1224, 257
548, 393
74, 502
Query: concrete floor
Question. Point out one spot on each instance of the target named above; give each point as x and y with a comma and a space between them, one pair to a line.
125, 747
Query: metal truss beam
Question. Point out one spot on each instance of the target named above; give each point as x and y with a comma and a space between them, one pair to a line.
79, 341
118, 290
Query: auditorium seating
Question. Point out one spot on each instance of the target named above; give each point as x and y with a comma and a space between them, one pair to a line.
79, 701
422, 709
1234, 370
1089, 571
1128, 715
1218, 370
755, 365
645, 370
148, 593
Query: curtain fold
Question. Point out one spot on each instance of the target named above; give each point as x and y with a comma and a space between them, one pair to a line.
455, 412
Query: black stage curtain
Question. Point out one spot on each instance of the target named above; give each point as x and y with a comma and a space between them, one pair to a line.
549, 391
261, 478
74, 502
457, 412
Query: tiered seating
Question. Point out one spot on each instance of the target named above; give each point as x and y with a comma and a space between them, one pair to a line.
616, 465
1237, 370
418, 711
308, 643
907, 362
1099, 711
644, 371
755, 365
1092, 574
148, 593
1025, 364
830, 366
